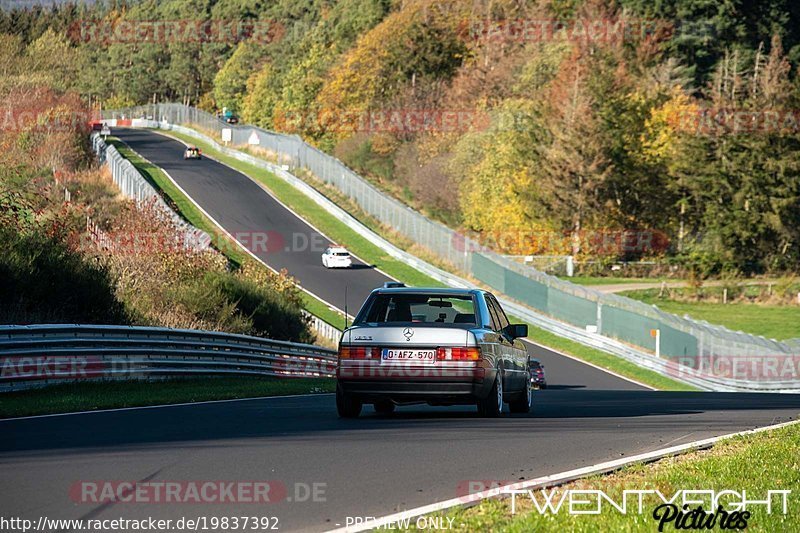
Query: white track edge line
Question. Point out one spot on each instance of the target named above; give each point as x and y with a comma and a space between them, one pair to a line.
161, 405
606, 370
553, 479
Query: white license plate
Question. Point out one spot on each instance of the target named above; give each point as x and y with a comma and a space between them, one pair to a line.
421, 357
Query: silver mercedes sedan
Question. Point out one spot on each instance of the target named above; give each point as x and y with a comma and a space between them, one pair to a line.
440, 346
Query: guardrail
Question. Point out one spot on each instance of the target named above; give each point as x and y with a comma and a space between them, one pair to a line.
614, 324
135, 186
681, 369
37, 355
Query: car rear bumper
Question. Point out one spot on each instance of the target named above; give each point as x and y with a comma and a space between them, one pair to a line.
417, 384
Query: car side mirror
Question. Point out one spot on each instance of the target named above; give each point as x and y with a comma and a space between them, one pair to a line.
516, 331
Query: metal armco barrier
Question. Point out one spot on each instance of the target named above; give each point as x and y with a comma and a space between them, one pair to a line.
32, 356
135, 186
618, 325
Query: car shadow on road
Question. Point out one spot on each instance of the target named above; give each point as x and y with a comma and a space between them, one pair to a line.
565, 403
359, 266
314, 417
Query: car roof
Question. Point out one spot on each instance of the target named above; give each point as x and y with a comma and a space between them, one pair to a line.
338, 249
427, 290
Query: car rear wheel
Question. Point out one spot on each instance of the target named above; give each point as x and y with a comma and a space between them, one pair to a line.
522, 403
384, 407
347, 405
492, 405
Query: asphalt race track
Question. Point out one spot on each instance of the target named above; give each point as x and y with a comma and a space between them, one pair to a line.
244, 209
268, 229
371, 466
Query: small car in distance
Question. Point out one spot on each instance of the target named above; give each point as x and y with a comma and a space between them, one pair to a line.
228, 116
192, 152
441, 346
336, 257
537, 374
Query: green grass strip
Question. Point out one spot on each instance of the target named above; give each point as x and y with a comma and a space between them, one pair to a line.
771, 321
606, 360
88, 396
753, 463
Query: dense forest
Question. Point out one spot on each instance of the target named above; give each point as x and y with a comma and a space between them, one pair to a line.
575, 118
53, 270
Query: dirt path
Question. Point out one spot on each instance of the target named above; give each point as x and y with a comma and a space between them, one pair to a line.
620, 287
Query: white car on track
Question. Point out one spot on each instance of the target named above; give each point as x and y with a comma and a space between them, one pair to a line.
337, 257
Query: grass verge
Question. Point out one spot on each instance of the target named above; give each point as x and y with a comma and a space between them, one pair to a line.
361, 247
756, 463
605, 360
772, 321
72, 397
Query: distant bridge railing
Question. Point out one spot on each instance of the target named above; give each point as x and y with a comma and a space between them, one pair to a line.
36, 355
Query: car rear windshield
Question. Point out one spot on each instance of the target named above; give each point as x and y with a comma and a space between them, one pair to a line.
341, 254
419, 308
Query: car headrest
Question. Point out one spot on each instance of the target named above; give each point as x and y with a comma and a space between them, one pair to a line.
401, 313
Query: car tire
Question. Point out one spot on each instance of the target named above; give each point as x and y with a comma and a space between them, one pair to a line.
347, 405
522, 403
384, 407
492, 405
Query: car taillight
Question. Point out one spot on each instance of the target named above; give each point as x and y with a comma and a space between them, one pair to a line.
358, 352
458, 354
